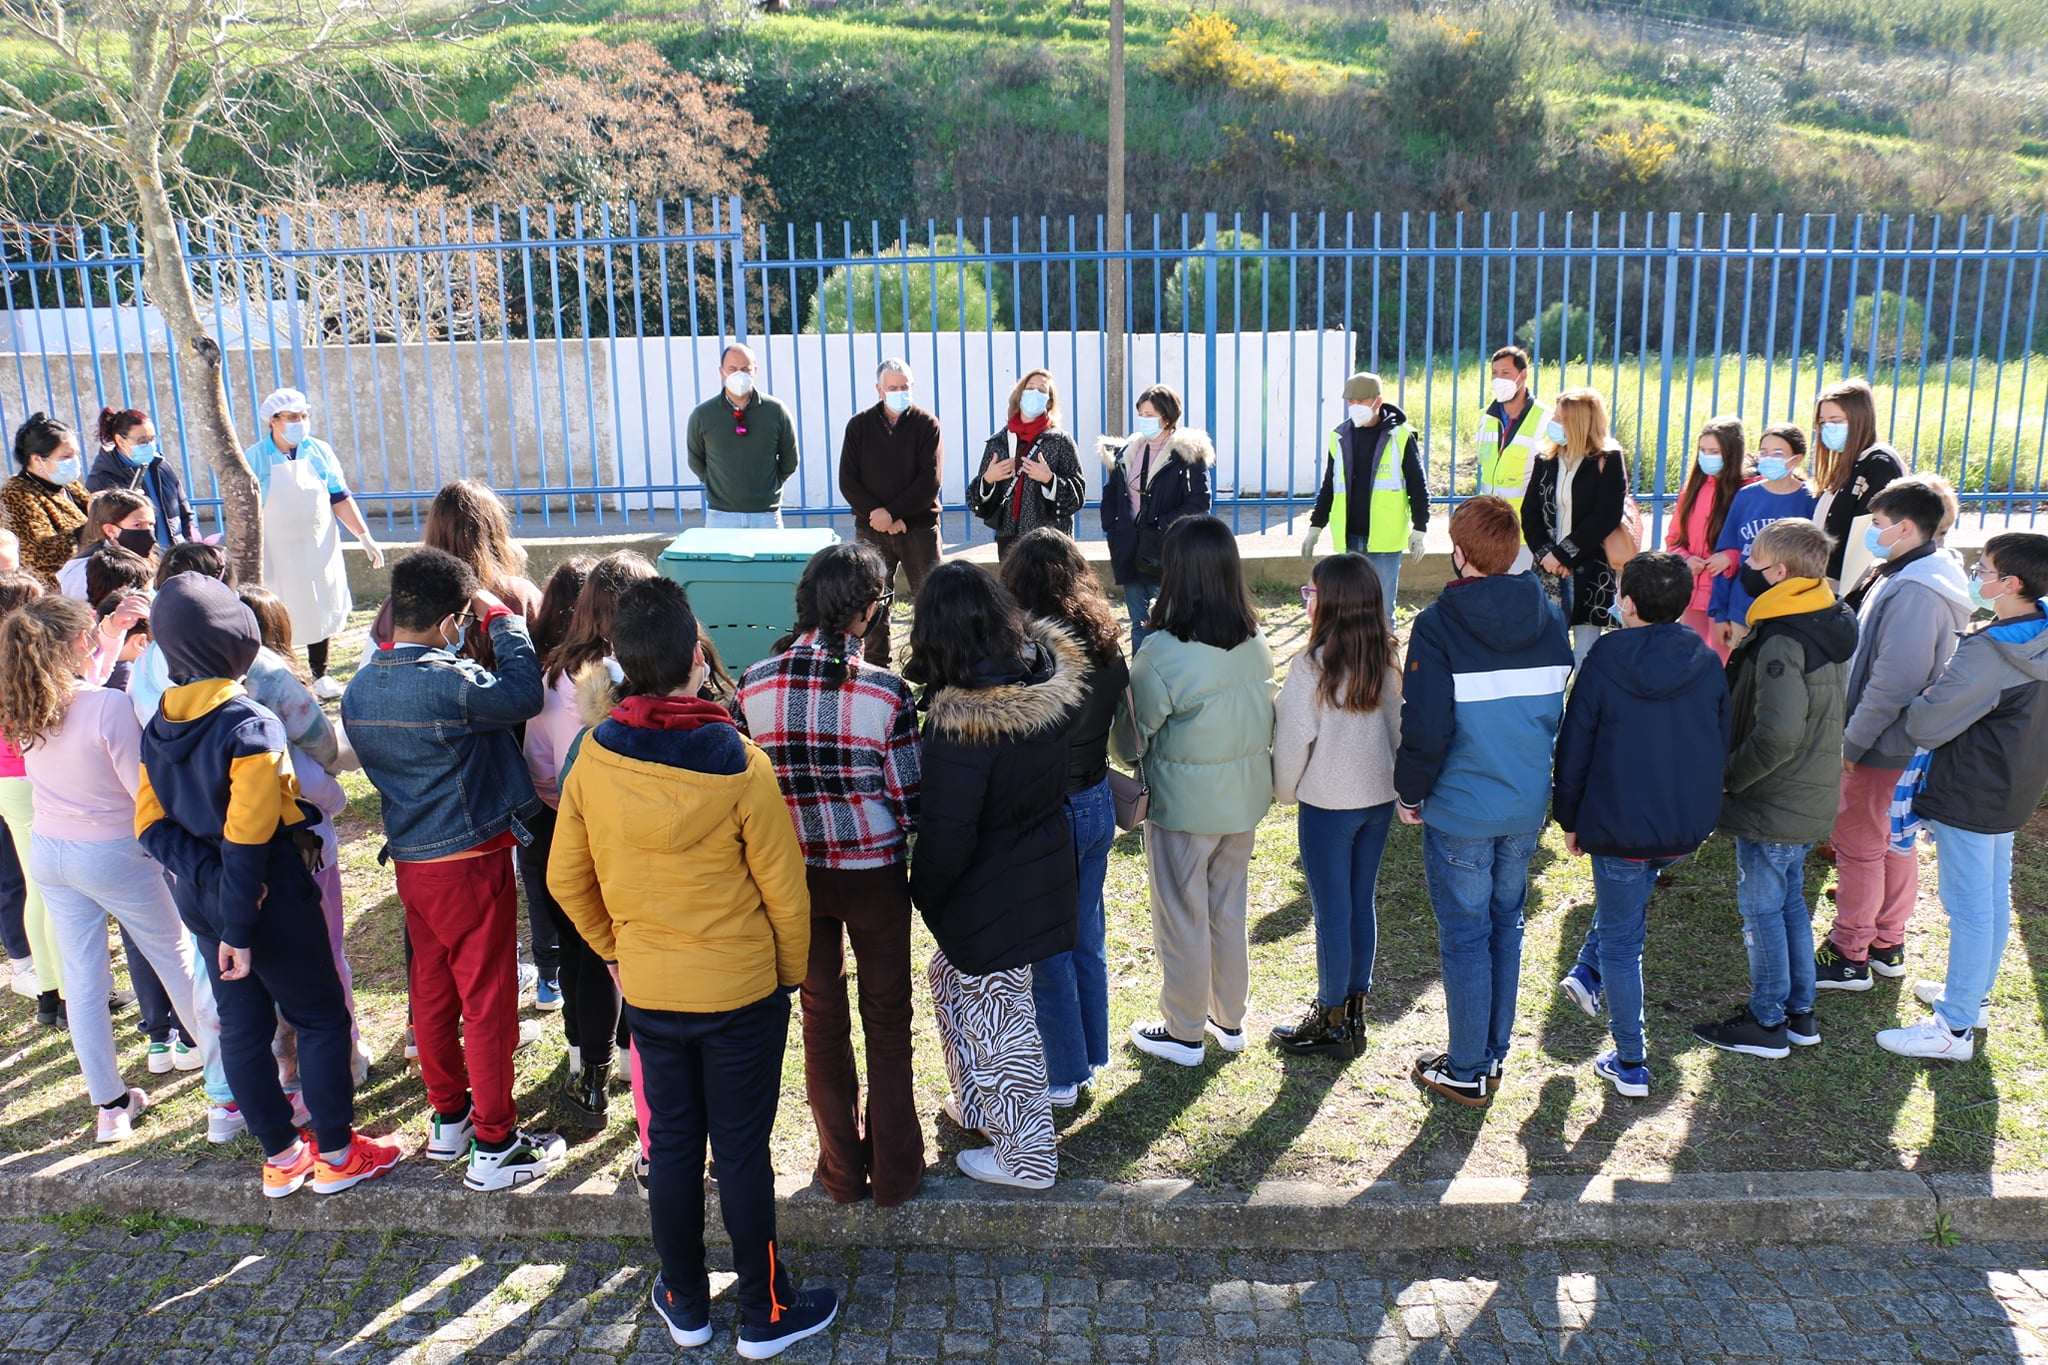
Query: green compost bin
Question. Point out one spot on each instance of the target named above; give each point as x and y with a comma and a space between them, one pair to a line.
742, 584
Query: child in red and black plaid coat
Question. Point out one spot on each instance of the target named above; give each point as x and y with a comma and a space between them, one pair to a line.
843, 737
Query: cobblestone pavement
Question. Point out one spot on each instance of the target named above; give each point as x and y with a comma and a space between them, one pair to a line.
176, 1295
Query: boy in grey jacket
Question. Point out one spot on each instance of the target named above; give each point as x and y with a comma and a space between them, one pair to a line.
1912, 603
1986, 721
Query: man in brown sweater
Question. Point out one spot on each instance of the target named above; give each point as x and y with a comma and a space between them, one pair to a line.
889, 474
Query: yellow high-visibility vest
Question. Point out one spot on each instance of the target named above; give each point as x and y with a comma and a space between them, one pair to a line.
1387, 531
1504, 470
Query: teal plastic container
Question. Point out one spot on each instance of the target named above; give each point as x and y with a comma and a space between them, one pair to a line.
743, 583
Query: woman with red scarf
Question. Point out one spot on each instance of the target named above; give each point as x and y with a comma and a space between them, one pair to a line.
1030, 472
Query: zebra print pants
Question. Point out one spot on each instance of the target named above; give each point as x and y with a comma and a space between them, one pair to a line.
988, 1029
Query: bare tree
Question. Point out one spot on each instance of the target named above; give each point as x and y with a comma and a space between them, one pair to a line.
120, 89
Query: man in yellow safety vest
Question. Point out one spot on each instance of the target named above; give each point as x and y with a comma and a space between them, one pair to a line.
1374, 450
1508, 434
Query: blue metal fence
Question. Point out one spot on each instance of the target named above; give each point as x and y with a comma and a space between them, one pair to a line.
556, 353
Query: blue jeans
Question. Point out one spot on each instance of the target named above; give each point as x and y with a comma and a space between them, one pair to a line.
1975, 882
743, 521
1777, 928
1387, 566
1340, 856
1613, 949
1138, 598
1071, 989
1478, 888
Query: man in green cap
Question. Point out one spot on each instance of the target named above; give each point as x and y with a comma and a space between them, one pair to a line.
1374, 496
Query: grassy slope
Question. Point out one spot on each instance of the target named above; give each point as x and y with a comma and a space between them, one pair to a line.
1845, 1105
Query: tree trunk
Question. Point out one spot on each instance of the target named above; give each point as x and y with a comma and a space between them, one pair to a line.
209, 430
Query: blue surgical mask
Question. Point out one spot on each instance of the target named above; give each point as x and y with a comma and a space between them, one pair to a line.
67, 471
1873, 541
1710, 464
1554, 429
141, 455
897, 401
1031, 404
1834, 435
1773, 467
295, 434
1148, 427
1977, 593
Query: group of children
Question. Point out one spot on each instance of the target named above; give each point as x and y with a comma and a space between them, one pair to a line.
698, 849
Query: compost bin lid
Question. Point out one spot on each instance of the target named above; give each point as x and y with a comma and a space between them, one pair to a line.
738, 545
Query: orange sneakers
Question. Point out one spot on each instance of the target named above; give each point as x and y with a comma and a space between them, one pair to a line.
366, 1160
279, 1181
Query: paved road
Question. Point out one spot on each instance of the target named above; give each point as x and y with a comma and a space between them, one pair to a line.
167, 1296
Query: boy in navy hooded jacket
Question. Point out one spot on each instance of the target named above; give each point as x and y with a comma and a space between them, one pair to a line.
1637, 787
219, 808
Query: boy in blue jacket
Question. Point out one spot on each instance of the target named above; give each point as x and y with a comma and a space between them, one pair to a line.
219, 807
1483, 692
1638, 787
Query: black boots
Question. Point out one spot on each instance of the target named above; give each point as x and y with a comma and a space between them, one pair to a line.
1338, 1031
50, 1010
588, 1094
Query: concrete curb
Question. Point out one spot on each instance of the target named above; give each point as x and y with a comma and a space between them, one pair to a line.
1883, 1206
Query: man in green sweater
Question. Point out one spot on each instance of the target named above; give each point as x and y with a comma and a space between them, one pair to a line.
742, 446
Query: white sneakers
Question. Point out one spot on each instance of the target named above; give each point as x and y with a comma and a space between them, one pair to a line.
118, 1125
326, 688
22, 972
1934, 992
981, 1164
529, 1157
1230, 1040
1153, 1039
224, 1123
449, 1141
1930, 1040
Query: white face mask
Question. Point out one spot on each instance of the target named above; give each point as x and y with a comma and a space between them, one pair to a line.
739, 383
1503, 390
1363, 415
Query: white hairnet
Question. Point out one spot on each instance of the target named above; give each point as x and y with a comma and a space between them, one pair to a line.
281, 400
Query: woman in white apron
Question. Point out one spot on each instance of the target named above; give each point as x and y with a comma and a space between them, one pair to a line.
305, 501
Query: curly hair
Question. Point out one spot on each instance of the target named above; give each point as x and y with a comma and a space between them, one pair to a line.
964, 617
39, 667
839, 583
17, 590
468, 520
1049, 576
589, 637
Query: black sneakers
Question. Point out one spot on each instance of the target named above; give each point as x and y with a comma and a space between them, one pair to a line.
688, 1320
1434, 1073
1833, 972
1801, 1030
810, 1313
1889, 961
1742, 1033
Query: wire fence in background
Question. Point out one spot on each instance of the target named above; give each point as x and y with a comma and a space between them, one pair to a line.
557, 354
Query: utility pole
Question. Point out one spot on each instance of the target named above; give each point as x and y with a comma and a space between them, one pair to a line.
1114, 266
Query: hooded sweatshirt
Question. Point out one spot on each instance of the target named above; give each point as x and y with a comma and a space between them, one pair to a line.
675, 857
1906, 630
218, 802
1481, 700
1644, 740
1986, 719
1788, 679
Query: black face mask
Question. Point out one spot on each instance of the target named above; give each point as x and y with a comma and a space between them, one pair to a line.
1753, 581
137, 540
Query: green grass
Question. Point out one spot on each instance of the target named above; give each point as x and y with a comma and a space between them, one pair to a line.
1237, 1120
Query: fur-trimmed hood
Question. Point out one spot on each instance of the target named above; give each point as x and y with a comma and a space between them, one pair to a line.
1190, 443
1045, 689
597, 692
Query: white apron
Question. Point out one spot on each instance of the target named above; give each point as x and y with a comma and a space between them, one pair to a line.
302, 552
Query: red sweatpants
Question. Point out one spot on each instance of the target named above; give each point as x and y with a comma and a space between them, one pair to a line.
465, 984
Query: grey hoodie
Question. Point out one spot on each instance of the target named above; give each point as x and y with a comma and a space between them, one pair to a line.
1986, 719
1906, 630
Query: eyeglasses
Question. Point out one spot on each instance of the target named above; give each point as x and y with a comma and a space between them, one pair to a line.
1984, 573
464, 620
886, 600
1308, 593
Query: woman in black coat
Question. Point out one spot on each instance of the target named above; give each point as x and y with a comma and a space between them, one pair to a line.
1850, 465
1030, 473
1151, 480
1578, 493
993, 869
